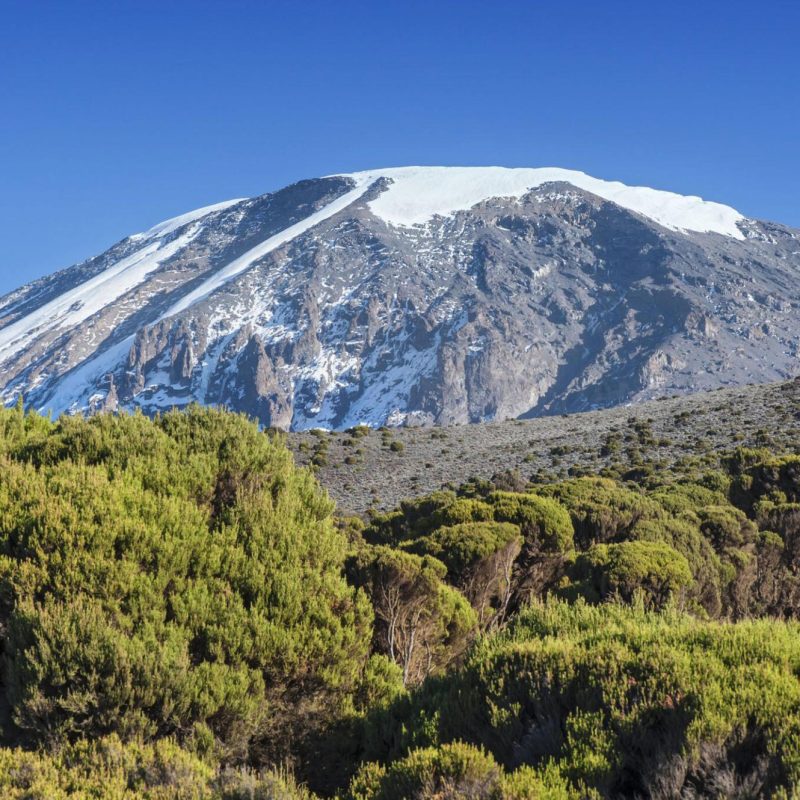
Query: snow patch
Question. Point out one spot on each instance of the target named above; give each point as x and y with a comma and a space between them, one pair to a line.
84, 300
419, 193
73, 389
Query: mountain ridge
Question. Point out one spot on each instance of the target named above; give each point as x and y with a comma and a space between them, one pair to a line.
417, 295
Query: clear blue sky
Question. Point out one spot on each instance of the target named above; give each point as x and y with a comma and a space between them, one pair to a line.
115, 115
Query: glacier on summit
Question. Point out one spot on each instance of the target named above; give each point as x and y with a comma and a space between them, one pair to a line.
419, 193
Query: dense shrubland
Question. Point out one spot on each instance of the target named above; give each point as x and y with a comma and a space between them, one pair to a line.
609, 700
182, 616
177, 578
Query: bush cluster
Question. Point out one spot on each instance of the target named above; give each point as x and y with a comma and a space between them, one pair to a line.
576, 700
171, 578
181, 616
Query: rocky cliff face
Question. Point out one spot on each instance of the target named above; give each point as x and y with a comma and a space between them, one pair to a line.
414, 296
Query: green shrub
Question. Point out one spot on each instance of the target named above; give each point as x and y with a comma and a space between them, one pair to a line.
452, 771
106, 768
460, 510
460, 547
479, 557
726, 526
171, 577
624, 700
542, 521
359, 431
601, 509
758, 473
422, 515
784, 518
685, 498
413, 518
421, 623
684, 535
626, 568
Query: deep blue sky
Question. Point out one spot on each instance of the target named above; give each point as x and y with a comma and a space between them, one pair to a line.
115, 115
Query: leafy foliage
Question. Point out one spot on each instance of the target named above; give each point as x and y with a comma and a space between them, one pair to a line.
177, 577
109, 769
479, 557
623, 569
422, 622
625, 701
180, 615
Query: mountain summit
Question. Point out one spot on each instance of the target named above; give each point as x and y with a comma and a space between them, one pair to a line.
415, 295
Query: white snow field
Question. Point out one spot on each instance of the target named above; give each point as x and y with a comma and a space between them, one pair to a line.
89, 297
418, 193
81, 302
105, 289
415, 195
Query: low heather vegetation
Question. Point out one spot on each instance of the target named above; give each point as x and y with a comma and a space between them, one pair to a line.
183, 615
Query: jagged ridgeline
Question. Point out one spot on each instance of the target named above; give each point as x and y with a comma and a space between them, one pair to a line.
414, 295
183, 616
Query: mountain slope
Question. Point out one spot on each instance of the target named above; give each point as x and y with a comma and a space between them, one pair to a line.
415, 295
368, 469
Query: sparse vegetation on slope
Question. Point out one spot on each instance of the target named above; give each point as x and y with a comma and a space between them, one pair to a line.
644, 438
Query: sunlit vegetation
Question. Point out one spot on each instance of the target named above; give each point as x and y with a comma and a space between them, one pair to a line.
183, 616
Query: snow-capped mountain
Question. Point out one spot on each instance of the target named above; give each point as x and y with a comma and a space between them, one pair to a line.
414, 295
